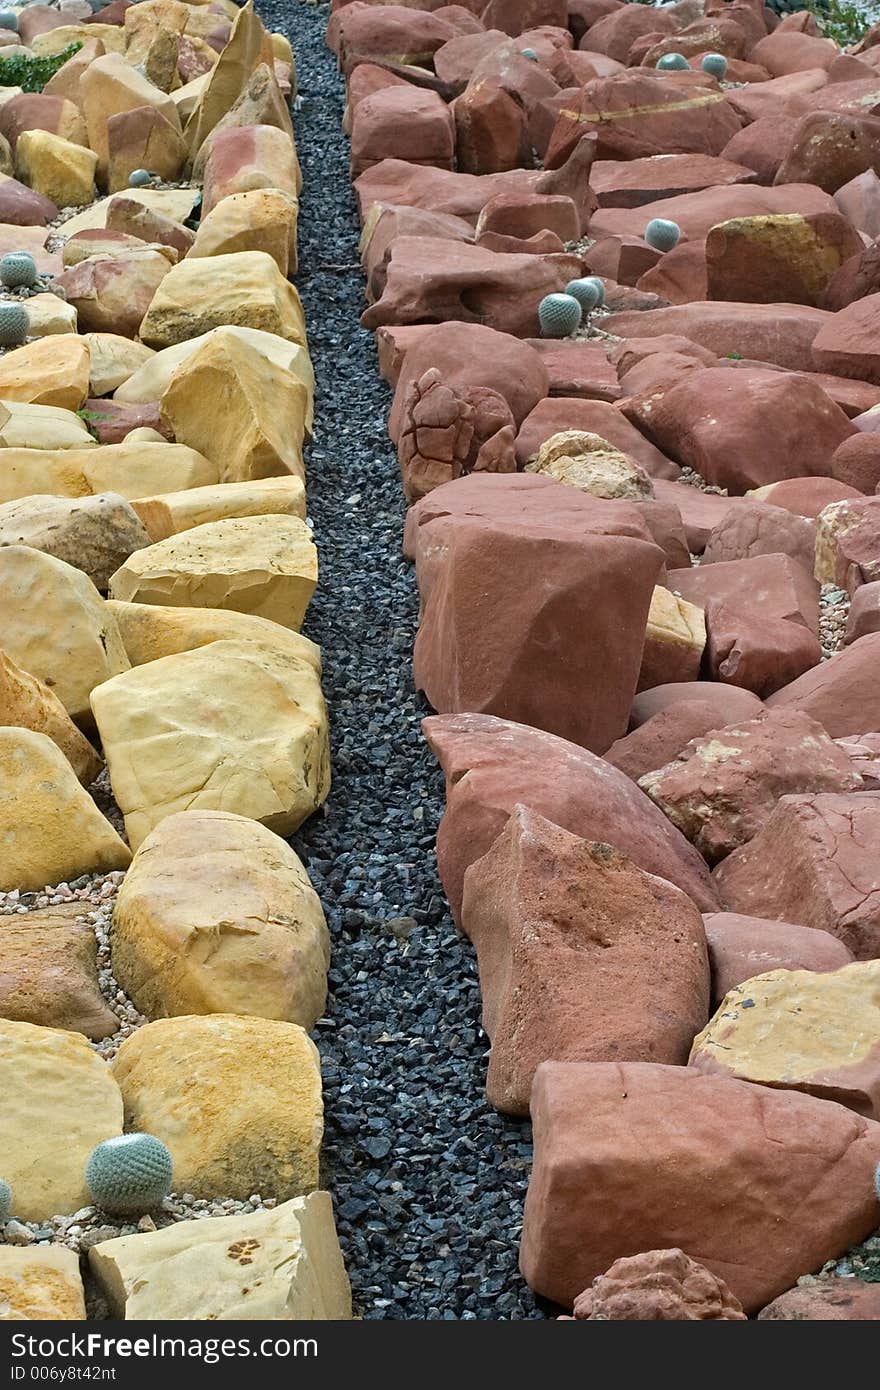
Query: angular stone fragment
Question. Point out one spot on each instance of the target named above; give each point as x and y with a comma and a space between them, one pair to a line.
728, 702
741, 947
260, 219
41, 1284
658, 1286
403, 123
282, 1264
787, 258
49, 371
848, 543
842, 693
112, 360
266, 565
639, 1156
583, 957
757, 528
780, 334
217, 915
235, 726
237, 1100
449, 432
26, 703
847, 344
60, 170
171, 512
49, 972
245, 289
128, 469
561, 414
93, 534
110, 87
111, 294
675, 638
258, 156
153, 630
590, 463
58, 1099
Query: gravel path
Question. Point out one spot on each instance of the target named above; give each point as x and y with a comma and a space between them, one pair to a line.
428, 1181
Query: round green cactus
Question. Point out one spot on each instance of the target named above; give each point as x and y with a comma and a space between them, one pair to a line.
139, 178
15, 323
18, 268
589, 292
672, 62
5, 1201
530, 54
559, 315
662, 235
129, 1175
715, 64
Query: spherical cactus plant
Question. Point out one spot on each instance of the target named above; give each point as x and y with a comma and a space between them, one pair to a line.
5, 1201
662, 235
715, 64
589, 292
530, 54
18, 268
14, 323
129, 1175
139, 178
559, 315
672, 62
9, 20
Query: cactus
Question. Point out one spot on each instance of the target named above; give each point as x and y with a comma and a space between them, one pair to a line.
559, 315
129, 1175
530, 54
715, 64
9, 20
15, 323
5, 1201
672, 62
662, 235
589, 293
139, 178
18, 268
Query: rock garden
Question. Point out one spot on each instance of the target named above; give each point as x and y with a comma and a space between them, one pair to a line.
480, 402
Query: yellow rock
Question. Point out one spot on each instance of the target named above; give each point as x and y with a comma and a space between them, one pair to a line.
56, 626
57, 168
58, 1099
55, 41
186, 98
176, 203
166, 515
276, 1265
149, 631
237, 1100
125, 468
65, 83
238, 408
40, 1283
588, 462
217, 915
94, 534
248, 43
232, 726
27, 703
40, 427
675, 638
113, 359
50, 371
48, 314
152, 381
266, 565
246, 288
109, 86
152, 39
801, 1030
262, 219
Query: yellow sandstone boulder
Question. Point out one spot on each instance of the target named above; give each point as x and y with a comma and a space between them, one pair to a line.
151, 630
27, 426
246, 288
109, 87
57, 626
237, 1100
167, 515
94, 534
129, 469
176, 203
591, 464
49, 314
113, 360
217, 915
239, 408
57, 168
54, 41
266, 565
50, 371
58, 1099
40, 1283
674, 640
261, 219
279, 1265
26, 703
231, 726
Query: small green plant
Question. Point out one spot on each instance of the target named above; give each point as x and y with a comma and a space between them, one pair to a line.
559, 315
30, 73
5, 1201
839, 20
734, 356
129, 1175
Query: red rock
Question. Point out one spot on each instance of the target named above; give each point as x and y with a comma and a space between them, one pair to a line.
861, 97
615, 33
504, 66
700, 511
658, 372
773, 585
848, 343
829, 148
713, 34
757, 528
514, 16
113, 420
658, 1286
595, 417
366, 80
623, 259
697, 213
816, 863
111, 294
864, 751
242, 158
662, 737
143, 138
859, 200
386, 222
853, 397
448, 432
584, 13
826, 1300
38, 19
744, 429
373, 33
805, 496
721, 789
583, 957
637, 1156
774, 98
631, 351
788, 52
405, 123
728, 702
741, 947
530, 670
491, 131
759, 653
779, 333
848, 543
491, 765
636, 115
456, 60
524, 214
781, 259
762, 145
856, 462
36, 111
633, 183
664, 524
541, 244
680, 276
864, 613
472, 355
855, 279
577, 368
133, 218
22, 207
842, 693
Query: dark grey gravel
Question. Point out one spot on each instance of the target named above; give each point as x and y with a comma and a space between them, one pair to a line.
428, 1180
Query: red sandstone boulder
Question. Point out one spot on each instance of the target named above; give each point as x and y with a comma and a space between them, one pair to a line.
578, 368
697, 213
405, 123
386, 222
631, 351
856, 462
524, 214
848, 344
614, 34
243, 158
492, 764
700, 511
842, 693
659, 372
658, 1286
111, 294
36, 111
680, 276
744, 429
815, 862
786, 258
551, 416
448, 432
728, 703
741, 947
829, 148
762, 145
637, 1156
806, 496
826, 1300
21, 206
491, 131
775, 585
456, 60
635, 182
859, 200
662, 737
624, 259
583, 957
722, 787
515, 16
756, 528
788, 52
779, 333
864, 613
855, 279
390, 33
759, 653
